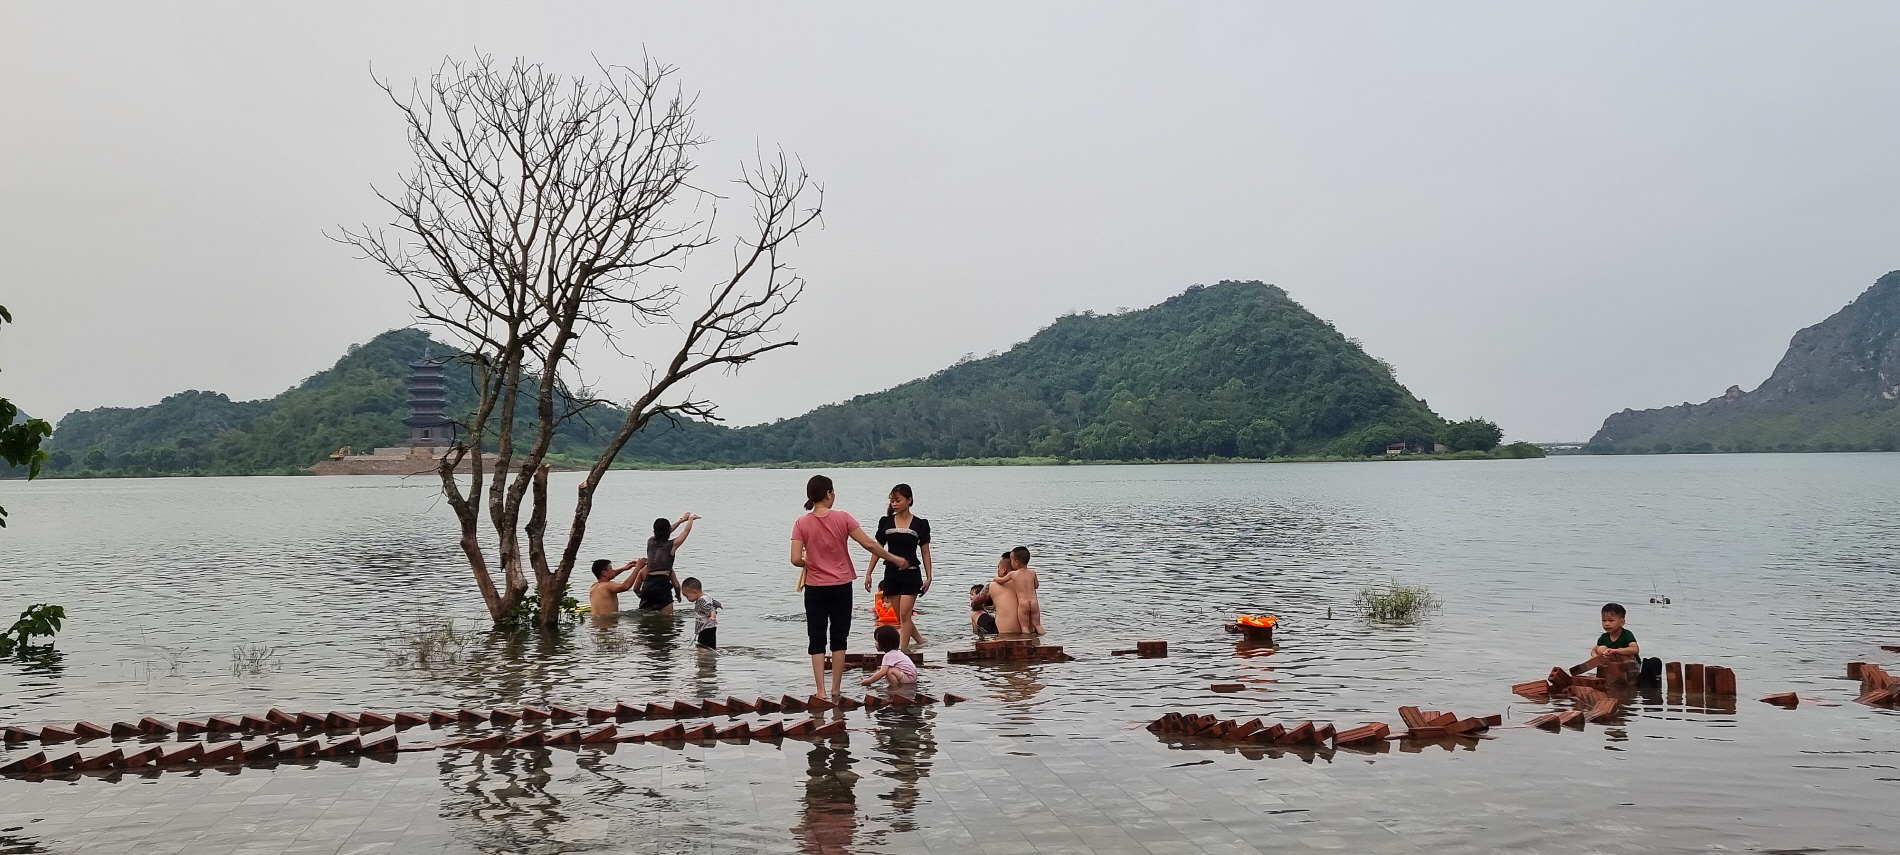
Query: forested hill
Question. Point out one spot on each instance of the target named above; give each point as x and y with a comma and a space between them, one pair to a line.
1234, 369
1230, 370
1837, 388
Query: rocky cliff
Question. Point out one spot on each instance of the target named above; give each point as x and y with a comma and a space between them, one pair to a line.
1836, 389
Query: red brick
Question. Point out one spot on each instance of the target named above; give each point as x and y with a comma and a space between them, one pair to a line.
817, 703
1152, 649
1694, 678
831, 729
485, 743
501, 716
674, 732
1546, 722
949, 699
1493, 720
342, 748
1413, 717
113, 759
1853, 670
737, 731
385, 745
800, 728
602, 713
54, 733
1300, 734
1725, 682
224, 752
1603, 709
1462, 726
257, 723
791, 704
1364, 733
713, 708
699, 734
438, 718
606, 733
261, 752
306, 748
536, 714
846, 702
1243, 730
528, 739
771, 730
1270, 734
224, 724
1228, 687
19, 734
739, 707
187, 754
1672, 674
123, 730
65, 763
373, 721
1559, 679
339, 721
144, 756
1785, 699
1443, 719
1570, 718
406, 720
561, 713
872, 702
280, 718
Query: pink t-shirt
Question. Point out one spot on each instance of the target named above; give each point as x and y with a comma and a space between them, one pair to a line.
827, 560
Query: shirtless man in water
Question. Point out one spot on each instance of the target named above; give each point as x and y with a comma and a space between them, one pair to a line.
603, 597
1014, 591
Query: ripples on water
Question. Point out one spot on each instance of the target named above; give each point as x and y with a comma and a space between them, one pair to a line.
1782, 567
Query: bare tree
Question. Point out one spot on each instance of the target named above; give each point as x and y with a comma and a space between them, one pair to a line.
543, 208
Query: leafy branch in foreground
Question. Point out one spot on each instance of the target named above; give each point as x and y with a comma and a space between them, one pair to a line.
38, 619
20, 443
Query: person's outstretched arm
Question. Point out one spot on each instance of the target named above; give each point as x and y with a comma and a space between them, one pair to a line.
632, 578
882, 672
865, 541
685, 526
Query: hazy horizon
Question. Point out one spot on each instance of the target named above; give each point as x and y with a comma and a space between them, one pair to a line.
1538, 215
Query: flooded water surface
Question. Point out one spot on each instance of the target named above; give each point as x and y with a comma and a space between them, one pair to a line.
197, 597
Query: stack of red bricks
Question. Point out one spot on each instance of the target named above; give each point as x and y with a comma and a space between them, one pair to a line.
1258, 732
1014, 649
1877, 687
1695, 678
1432, 724
873, 660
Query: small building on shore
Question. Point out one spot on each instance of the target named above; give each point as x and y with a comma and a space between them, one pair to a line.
431, 433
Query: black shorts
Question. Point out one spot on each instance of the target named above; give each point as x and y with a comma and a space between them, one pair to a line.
908, 582
709, 638
656, 594
986, 623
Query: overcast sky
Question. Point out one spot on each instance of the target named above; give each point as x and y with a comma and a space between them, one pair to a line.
1539, 213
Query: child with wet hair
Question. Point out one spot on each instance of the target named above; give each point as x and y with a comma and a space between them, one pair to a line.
1014, 573
896, 669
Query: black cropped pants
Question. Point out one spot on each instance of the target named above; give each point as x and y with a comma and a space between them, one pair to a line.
827, 617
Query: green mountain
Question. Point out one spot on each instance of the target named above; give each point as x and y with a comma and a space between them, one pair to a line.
1236, 369
1836, 389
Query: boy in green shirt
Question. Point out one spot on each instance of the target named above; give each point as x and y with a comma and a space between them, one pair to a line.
1616, 641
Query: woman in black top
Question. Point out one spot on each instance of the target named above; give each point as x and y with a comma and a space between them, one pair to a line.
657, 585
908, 536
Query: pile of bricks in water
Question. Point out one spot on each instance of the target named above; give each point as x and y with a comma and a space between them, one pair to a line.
874, 660
1420, 725
1698, 679
1877, 687
224, 736
1145, 649
1010, 650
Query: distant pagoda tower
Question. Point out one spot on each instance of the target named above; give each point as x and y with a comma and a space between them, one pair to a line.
428, 395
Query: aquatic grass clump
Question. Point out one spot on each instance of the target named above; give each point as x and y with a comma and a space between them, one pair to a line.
253, 660
1396, 603
429, 644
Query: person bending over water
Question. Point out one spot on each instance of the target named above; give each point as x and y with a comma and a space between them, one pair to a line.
896, 669
1016, 583
603, 597
659, 586
818, 547
907, 535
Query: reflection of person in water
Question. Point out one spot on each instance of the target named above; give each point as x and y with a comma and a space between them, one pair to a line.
830, 808
904, 735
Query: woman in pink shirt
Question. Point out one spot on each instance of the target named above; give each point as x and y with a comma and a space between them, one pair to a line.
818, 546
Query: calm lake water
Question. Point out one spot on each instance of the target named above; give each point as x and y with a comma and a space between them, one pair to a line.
1783, 567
